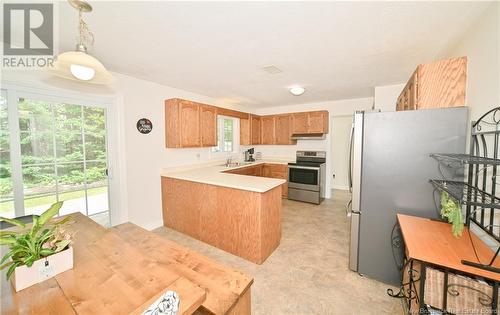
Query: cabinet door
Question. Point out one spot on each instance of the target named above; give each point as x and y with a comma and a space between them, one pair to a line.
411, 92
255, 129
245, 131
266, 170
318, 122
299, 123
283, 129
172, 123
441, 84
268, 129
189, 113
208, 126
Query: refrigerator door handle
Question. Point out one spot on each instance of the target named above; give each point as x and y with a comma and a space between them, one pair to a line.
351, 139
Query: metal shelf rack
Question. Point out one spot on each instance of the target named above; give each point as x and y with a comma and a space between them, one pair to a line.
464, 159
467, 194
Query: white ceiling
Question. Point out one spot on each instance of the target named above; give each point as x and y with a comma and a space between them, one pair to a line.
336, 50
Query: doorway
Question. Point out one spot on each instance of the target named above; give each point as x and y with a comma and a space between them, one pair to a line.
341, 129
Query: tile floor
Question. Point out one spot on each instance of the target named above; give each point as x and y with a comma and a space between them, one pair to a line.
308, 273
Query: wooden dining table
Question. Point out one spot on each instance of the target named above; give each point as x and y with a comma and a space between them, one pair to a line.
123, 270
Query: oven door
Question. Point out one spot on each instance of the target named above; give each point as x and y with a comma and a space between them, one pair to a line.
304, 177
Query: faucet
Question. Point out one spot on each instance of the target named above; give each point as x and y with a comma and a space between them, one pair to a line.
228, 160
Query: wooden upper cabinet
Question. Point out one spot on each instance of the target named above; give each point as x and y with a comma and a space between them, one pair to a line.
318, 122
208, 116
310, 122
255, 133
268, 130
283, 129
189, 124
189, 113
300, 122
435, 85
245, 131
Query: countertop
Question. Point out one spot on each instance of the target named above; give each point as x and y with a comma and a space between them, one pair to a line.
213, 174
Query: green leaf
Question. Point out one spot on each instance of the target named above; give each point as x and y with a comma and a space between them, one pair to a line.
63, 220
62, 245
13, 221
12, 268
2, 267
7, 233
7, 240
47, 252
49, 213
6, 256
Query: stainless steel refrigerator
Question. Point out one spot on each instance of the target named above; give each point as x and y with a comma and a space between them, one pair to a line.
390, 170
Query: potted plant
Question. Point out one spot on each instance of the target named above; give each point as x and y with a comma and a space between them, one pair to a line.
38, 252
452, 211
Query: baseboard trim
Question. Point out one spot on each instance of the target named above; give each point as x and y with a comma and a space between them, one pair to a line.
340, 187
152, 225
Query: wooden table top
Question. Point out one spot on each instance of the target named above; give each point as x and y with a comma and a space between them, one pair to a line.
433, 242
117, 272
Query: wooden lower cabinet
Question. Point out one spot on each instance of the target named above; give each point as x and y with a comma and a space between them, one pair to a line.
266, 170
244, 223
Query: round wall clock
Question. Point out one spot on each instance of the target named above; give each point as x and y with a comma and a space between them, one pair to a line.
144, 125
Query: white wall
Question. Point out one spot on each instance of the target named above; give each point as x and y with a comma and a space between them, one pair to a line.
386, 96
481, 45
340, 136
335, 108
139, 157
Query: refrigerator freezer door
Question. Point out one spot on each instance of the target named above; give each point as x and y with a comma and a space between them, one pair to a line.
353, 242
355, 181
356, 164
395, 177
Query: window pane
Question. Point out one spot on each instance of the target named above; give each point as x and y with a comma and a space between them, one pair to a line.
228, 135
37, 147
68, 127
35, 115
6, 193
68, 118
71, 187
39, 188
69, 146
4, 118
95, 133
97, 185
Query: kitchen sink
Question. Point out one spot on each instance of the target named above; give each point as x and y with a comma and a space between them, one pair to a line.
235, 164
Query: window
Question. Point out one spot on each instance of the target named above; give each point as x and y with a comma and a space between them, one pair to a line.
6, 190
62, 156
226, 131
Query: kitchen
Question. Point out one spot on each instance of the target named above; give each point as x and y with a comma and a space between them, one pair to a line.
243, 187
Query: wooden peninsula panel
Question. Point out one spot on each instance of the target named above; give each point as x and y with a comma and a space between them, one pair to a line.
244, 223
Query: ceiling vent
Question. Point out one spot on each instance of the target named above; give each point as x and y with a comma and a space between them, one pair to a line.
272, 69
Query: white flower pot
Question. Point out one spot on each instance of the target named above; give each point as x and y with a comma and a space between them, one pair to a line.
42, 269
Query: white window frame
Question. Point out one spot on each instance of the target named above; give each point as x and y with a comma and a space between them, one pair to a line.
236, 137
110, 104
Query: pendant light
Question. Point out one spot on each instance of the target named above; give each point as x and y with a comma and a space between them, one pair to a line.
79, 65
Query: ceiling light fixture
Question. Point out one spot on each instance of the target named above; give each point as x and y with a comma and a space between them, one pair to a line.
297, 90
78, 64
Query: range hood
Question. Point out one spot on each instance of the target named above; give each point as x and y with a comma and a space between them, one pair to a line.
308, 136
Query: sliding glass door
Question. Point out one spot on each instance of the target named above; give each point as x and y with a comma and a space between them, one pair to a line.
6, 184
62, 157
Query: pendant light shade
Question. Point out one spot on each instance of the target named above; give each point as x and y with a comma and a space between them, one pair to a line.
78, 65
